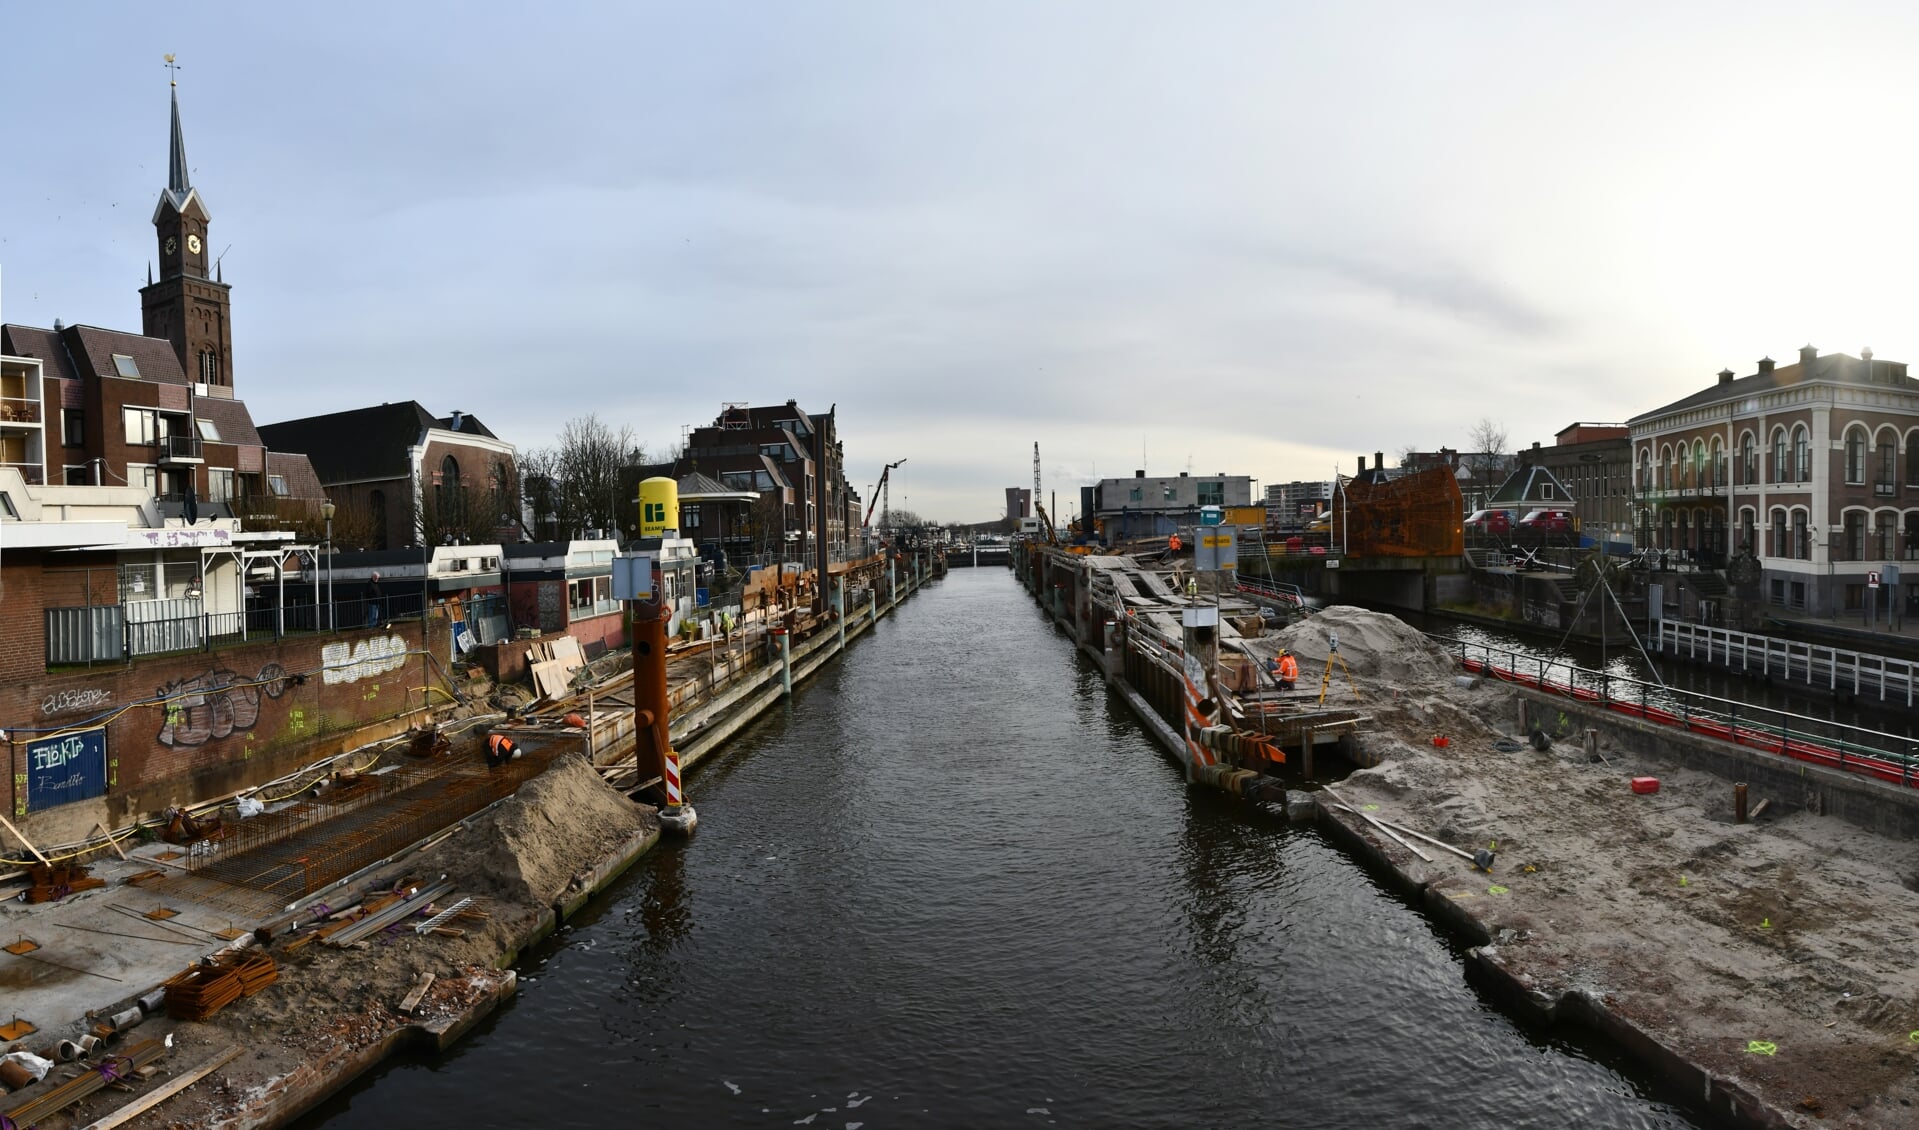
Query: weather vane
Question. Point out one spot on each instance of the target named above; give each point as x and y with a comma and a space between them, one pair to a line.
173, 71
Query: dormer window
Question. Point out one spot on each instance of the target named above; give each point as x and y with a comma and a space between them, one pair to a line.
124, 365
1546, 491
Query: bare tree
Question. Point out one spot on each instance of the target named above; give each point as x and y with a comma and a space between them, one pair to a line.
575, 485
1488, 437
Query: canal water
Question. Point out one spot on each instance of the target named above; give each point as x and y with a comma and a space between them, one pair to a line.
953, 884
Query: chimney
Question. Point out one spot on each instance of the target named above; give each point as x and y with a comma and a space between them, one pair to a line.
454, 419
58, 325
1766, 364
1140, 474
1362, 466
1725, 376
1379, 461
1808, 354
1866, 353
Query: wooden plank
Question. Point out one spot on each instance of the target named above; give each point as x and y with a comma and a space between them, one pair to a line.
8, 825
115, 844
413, 998
155, 1097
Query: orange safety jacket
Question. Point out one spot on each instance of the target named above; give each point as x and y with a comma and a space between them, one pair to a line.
1288, 669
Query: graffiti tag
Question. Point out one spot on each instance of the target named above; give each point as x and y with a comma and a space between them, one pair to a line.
346, 663
216, 704
59, 702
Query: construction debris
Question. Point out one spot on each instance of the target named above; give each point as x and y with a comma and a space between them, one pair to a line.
47, 883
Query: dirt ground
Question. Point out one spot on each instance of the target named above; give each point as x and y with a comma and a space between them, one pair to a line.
1782, 954
330, 1003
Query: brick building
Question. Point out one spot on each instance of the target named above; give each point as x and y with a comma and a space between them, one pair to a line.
401, 475
1813, 467
795, 461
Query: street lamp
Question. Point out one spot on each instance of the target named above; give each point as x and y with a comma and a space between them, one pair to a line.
326, 512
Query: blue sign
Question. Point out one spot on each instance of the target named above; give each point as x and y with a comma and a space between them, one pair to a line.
67, 768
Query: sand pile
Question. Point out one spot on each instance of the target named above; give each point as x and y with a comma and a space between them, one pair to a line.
559, 824
1377, 646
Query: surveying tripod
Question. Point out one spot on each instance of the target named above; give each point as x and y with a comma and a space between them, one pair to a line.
1332, 657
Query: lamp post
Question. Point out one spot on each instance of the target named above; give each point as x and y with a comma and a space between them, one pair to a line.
326, 512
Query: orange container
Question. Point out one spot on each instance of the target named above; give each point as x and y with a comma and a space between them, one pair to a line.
1645, 784
1442, 741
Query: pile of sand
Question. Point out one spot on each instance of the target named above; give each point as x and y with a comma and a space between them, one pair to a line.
1377, 646
559, 824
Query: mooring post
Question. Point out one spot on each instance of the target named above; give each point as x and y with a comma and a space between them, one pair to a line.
839, 608
1739, 803
1523, 718
786, 663
1592, 744
1306, 754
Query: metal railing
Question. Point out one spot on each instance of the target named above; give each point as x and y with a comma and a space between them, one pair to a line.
19, 410
124, 632
179, 447
1857, 749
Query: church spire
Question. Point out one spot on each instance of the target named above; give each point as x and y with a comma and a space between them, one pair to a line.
177, 160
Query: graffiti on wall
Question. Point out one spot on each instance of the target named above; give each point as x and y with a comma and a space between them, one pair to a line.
86, 698
216, 704
349, 663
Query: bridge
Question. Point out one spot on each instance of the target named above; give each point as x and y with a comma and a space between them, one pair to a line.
978, 553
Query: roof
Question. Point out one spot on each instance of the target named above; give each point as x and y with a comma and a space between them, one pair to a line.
1833, 368
179, 192
82, 351
698, 488
363, 443
45, 345
298, 471
230, 418
1527, 485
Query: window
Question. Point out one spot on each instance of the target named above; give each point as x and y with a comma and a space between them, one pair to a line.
1170, 493
1853, 540
591, 596
6, 506
1136, 495
1546, 491
145, 476
1885, 538
1798, 599
1720, 472
209, 430
1912, 463
219, 484
737, 480
209, 367
1212, 494
1778, 533
1779, 591
277, 485
77, 475
1802, 454
1747, 535
1887, 474
1781, 472
1855, 456
142, 425
73, 427
123, 365
690, 517
1748, 461
1801, 543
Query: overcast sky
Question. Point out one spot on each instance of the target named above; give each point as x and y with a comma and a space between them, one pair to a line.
1259, 239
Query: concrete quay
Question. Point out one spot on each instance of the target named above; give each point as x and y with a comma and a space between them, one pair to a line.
1765, 971
530, 860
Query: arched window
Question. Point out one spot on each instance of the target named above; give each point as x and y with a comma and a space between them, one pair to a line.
1718, 464
1748, 461
1801, 542
1698, 464
1885, 471
1802, 453
450, 496
1748, 542
1885, 536
376, 508
1855, 456
1781, 470
1779, 545
1912, 459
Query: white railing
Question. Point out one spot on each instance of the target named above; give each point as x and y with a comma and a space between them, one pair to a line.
1816, 665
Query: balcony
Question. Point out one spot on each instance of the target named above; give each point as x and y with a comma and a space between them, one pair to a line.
179, 451
19, 410
34, 473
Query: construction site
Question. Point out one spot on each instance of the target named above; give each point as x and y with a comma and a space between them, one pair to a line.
1730, 911
232, 963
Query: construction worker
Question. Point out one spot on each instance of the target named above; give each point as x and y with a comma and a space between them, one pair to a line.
1286, 670
1173, 543
500, 749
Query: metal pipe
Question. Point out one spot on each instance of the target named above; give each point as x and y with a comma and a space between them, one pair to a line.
786, 663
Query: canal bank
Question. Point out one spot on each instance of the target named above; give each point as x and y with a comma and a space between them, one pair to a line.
1765, 968
950, 885
528, 862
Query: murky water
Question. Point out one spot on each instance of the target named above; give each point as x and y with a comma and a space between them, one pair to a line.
955, 885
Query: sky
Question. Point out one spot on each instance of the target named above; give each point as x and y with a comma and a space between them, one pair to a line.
1260, 239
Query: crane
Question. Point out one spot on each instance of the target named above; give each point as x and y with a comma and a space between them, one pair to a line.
880, 492
1035, 476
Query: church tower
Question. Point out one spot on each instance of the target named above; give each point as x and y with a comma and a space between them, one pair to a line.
187, 306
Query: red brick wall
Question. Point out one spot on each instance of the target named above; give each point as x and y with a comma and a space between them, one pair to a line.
188, 727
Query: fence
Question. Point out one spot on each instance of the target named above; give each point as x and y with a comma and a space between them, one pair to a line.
1857, 749
1816, 665
123, 632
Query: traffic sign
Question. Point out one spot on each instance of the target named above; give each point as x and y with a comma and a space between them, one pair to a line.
1872, 579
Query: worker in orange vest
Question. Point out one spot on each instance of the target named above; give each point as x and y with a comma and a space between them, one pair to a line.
1173, 543
1286, 670
500, 749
